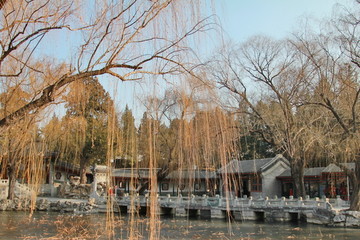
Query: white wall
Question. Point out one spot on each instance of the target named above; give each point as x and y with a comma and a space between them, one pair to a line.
270, 185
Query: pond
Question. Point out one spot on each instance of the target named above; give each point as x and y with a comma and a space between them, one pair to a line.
50, 225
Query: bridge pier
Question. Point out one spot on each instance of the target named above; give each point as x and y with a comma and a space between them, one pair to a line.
281, 216
218, 213
241, 215
181, 212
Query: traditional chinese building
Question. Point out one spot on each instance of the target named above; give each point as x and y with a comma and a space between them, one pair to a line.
185, 182
327, 181
127, 180
255, 177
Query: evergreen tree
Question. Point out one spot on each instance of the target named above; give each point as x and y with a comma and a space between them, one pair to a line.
129, 139
87, 111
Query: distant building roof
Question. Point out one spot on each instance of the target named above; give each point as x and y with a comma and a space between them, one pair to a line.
332, 168
251, 166
67, 166
133, 172
308, 172
350, 166
317, 171
191, 174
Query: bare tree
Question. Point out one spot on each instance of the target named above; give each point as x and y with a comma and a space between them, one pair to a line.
122, 40
266, 79
118, 39
335, 88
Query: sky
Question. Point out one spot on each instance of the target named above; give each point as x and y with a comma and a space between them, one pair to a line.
241, 19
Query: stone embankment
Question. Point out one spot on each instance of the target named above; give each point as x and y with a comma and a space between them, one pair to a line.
55, 205
346, 219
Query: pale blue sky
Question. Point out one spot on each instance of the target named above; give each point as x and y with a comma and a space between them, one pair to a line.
277, 18
242, 19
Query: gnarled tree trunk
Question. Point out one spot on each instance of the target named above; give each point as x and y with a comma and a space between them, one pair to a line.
297, 173
11, 172
355, 181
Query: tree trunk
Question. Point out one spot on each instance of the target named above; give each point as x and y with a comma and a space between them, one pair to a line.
83, 165
12, 180
297, 173
355, 181
355, 199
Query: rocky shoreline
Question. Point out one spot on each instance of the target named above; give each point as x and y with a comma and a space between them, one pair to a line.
43, 204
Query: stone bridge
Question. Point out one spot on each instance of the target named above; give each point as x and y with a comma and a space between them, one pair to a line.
278, 209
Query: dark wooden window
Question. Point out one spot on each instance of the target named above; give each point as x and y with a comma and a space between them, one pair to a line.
256, 184
165, 186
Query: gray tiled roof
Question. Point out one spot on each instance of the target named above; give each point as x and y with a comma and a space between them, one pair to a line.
331, 168
191, 174
135, 173
350, 165
307, 172
249, 166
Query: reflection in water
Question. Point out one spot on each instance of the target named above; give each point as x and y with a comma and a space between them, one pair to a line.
43, 225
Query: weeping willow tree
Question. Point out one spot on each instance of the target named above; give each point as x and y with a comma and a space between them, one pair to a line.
113, 40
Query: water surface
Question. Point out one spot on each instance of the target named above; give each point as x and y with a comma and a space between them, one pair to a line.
50, 225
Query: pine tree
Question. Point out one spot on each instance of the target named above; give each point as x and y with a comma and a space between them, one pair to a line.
87, 110
129, 147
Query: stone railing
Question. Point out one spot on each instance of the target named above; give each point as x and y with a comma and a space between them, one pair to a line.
238, 203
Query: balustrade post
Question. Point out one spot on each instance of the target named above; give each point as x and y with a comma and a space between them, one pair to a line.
204, 200
328, 204
235, 202
192, 198
266, 201
339, 201
220, 200
317, 204
283, 201
179, 200
300, 201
